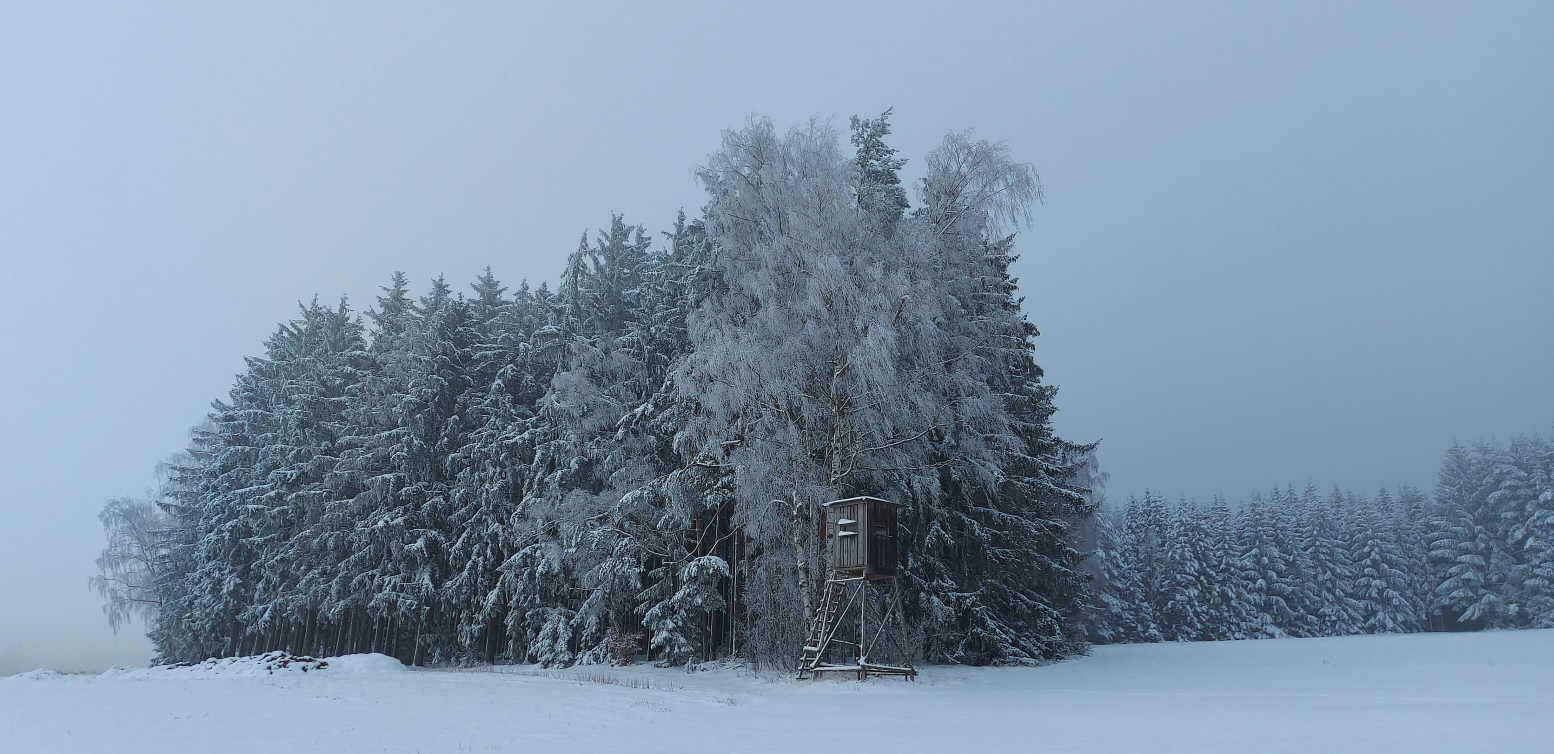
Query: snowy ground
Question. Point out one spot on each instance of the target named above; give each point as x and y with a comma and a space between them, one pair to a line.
1420, 693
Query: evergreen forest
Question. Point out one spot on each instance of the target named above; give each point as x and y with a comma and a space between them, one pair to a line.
632, 460
1479, 554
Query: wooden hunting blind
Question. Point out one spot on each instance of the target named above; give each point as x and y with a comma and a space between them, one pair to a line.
862, 534
860, 605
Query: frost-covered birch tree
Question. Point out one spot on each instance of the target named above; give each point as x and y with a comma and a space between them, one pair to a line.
849, 351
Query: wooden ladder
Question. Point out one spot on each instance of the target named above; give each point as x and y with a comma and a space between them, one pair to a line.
822, 628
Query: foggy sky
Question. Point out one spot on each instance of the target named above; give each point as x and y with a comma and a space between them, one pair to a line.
1281, 244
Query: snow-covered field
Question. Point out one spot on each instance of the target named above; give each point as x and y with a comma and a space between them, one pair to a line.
1418, 693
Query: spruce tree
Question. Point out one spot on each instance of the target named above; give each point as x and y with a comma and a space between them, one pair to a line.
1229, 609
1332, 572
1265, 569
1412, 521
1381, 578
1463, 541
1535, 530
1123, 614
1183, 617
1304, 603
879, 191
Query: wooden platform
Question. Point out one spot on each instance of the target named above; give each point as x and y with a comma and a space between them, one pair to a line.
864, 670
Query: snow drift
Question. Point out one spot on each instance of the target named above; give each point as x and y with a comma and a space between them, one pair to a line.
268, 664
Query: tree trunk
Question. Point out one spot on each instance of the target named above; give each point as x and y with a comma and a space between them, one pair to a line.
801, 559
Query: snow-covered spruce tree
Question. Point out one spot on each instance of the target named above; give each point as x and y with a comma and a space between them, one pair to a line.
1228, 609
1516, 482
1184, 587
1534, 529
407, 426
1265, 568
1464, 542
1111, 616
512, 373
1411, 521
506, 382
846, 352
256, 478
1145, 539
636, 548
1327, 544
573, 436
1012, 524
1299, 591
1380, 577
1122, 611
880, 192
671, 529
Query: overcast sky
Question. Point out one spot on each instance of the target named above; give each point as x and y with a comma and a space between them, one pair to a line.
1281, 242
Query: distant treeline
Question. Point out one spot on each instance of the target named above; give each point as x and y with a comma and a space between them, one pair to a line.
633, 460
1480, 554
